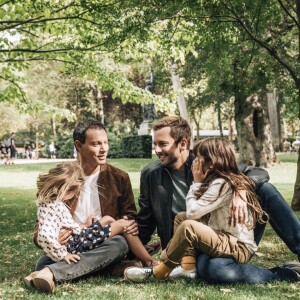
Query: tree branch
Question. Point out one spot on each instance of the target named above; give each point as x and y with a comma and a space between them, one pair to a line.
289, 14
39, 59
266, 46
15, 84
4, 3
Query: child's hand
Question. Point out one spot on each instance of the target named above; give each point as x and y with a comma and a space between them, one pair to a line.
198, 170
71, 258
90, 220
106, 220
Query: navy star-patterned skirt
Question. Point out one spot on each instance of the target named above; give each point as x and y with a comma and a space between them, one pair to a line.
89, 238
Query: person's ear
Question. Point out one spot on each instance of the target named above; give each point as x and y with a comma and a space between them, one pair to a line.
78, 145
183, 145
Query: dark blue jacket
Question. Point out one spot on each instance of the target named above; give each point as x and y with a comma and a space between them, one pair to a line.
155, 199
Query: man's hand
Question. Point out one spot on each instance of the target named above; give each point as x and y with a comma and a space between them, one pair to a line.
71, 258
132, 228
64, 236
238, 209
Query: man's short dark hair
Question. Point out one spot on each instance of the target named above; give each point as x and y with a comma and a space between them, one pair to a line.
180, 128
79, 132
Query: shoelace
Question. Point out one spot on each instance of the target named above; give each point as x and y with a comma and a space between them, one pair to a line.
148, 272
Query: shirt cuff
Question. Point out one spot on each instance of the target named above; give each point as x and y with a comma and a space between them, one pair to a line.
196, 186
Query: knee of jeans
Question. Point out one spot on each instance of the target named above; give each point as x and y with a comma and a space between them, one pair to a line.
220, 270
202, 262
122, 245
266, 190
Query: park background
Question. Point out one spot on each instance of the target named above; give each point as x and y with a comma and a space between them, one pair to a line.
228, 66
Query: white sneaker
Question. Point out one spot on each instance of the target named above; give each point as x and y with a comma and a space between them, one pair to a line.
139, 275
178, 272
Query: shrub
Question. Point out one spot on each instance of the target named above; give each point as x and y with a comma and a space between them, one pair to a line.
139, 146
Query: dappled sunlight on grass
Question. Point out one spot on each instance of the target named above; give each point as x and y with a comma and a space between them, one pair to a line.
19, 254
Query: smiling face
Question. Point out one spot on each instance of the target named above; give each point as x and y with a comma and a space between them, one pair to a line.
94, 151
169, 153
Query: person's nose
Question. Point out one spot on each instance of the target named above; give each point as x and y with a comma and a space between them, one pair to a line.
157, 149
102, 148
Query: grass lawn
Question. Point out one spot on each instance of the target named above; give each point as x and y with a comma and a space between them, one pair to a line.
18, 253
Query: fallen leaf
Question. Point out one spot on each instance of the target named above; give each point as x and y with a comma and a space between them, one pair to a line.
227, 290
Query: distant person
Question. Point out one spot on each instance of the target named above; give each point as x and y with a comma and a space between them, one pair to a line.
287, 146
52, 150
27, 151
32, 151
11, 148
3, 152
296, 144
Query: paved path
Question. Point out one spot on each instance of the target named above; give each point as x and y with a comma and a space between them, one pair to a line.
27, 179
40, 160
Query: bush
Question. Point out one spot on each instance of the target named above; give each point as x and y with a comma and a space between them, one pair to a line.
115, 150
139, 146
64, 146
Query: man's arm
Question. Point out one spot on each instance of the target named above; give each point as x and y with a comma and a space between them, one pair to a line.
127, 208
126, 205
258, 175
145, 218
239, 211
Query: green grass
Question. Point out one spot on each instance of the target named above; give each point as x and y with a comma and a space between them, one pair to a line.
18, 253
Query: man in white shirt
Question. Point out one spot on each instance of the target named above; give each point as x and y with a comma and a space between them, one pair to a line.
107, 191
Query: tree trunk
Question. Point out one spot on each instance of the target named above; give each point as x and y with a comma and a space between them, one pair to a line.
253, 130
296, 197
197, 123
220, 125
99, 100
230, 129
180, 97
53, 125
274, 117
178, 90
36, 141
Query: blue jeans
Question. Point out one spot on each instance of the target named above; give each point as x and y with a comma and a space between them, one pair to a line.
286, 225
110, 252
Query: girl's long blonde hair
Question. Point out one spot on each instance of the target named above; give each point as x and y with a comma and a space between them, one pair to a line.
59, 181
219, 154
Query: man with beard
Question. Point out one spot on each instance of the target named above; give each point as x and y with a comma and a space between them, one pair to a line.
163, 189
